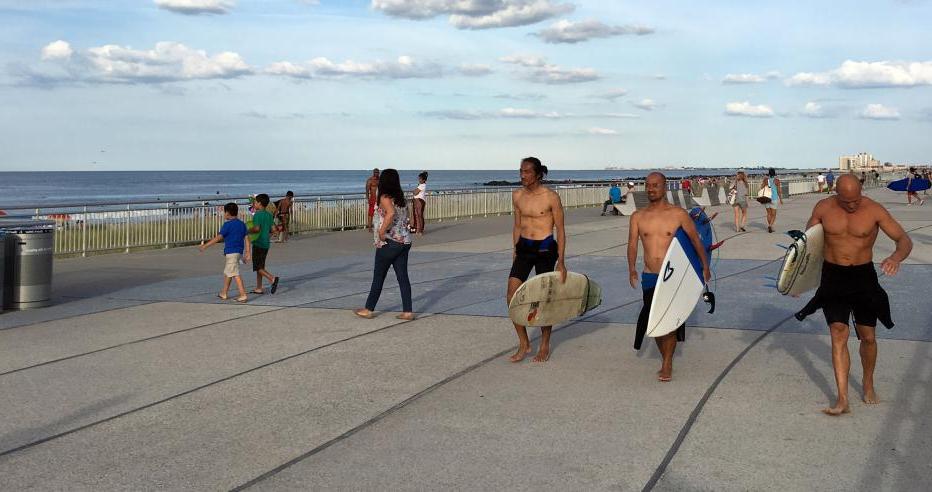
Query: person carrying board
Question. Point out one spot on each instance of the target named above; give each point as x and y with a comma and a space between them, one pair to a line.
538, 211
849, 282
655, 227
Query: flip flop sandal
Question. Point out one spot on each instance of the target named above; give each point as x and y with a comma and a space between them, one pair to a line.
358, 312
258, 292
242, 300
222, 298
274, 286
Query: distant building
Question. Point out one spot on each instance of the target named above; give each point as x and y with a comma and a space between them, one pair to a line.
860, 162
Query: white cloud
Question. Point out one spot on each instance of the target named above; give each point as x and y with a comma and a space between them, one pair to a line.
476, 14
602, 131
611, 94
858, 75
404, 67
750, 78
646, 104
541, 72
745, 108
527, 113
516, 113
880, 112
474, 70
813, 110
57, 50
166, 62
565, 31
196, 7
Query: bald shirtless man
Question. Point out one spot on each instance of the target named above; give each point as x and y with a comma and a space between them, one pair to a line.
655, 227
538, 211
849, 282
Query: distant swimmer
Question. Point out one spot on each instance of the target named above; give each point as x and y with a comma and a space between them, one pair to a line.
655, 227
849, 282
372, 193
538, 211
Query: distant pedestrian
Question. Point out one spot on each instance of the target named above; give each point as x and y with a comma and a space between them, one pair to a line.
820, 179
283, 209
372, 189
830, 181
419, 203
262, 223
913, 174
614, 196
235, 247
769, 194
687, 186
738, 198
392, 242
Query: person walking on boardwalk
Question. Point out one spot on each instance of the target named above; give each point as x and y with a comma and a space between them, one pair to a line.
284, 215
538, 213
372, 190
739, 191
655, 227
419, 203
913, 174
262, 223
392, 240
850, 223
771, 183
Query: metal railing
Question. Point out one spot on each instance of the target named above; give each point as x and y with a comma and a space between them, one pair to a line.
83, 229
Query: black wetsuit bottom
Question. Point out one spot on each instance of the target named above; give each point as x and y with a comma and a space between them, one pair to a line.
641, 329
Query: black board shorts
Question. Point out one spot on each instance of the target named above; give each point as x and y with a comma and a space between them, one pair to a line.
540, 255
850, 290
258, 258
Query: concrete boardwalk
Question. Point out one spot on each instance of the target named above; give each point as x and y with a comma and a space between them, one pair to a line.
139, 378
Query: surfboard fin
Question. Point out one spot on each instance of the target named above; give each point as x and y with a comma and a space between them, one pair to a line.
716, 245
709, 298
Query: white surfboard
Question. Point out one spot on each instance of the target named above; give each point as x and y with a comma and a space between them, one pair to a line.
627, 208
802, 264
546, 301
679, 287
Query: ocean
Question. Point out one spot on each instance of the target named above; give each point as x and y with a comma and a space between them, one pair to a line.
51, 188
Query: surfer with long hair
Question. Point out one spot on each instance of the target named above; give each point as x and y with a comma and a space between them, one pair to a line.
655, 227
849, 286
539, 241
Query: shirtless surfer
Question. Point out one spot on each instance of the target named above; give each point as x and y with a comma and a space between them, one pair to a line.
538, 211
372, 192
849, 282
655, 227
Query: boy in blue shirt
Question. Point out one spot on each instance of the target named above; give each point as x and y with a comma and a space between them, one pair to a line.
235, 247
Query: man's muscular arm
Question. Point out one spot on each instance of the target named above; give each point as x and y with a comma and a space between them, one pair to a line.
633, 249
893, 230
516, 230
816, 217
686, 222
556, 205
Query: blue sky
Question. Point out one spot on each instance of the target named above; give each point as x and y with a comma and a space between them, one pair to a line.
447, 84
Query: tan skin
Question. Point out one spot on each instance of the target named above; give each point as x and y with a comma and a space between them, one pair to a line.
372, 188
655, 227
741, 214
538, 211
851, 223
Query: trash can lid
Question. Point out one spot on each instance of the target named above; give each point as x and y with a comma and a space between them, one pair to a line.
24, 224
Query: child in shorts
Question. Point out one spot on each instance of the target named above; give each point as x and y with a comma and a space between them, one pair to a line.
263, 222
235, 247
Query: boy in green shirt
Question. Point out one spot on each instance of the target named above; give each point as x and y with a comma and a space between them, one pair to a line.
262, 223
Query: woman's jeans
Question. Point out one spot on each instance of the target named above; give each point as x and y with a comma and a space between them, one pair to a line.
393, 254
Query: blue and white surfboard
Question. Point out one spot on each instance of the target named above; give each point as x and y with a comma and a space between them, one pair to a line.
679, 287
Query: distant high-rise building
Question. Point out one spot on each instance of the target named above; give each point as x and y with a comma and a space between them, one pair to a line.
860, 162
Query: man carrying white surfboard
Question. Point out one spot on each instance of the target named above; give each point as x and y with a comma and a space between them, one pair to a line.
655, 227
850, 223
538, 211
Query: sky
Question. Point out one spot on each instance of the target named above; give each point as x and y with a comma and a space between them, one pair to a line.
461, 84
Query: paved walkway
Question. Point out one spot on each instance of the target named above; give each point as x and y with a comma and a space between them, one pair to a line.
139, 378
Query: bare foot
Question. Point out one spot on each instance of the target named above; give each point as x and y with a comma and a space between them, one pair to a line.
870, 397
520, 354
665, 374
543, 354
839, 408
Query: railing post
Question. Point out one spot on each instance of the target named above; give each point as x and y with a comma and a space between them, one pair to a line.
342, 213
84, 234
167, 223
126, 224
